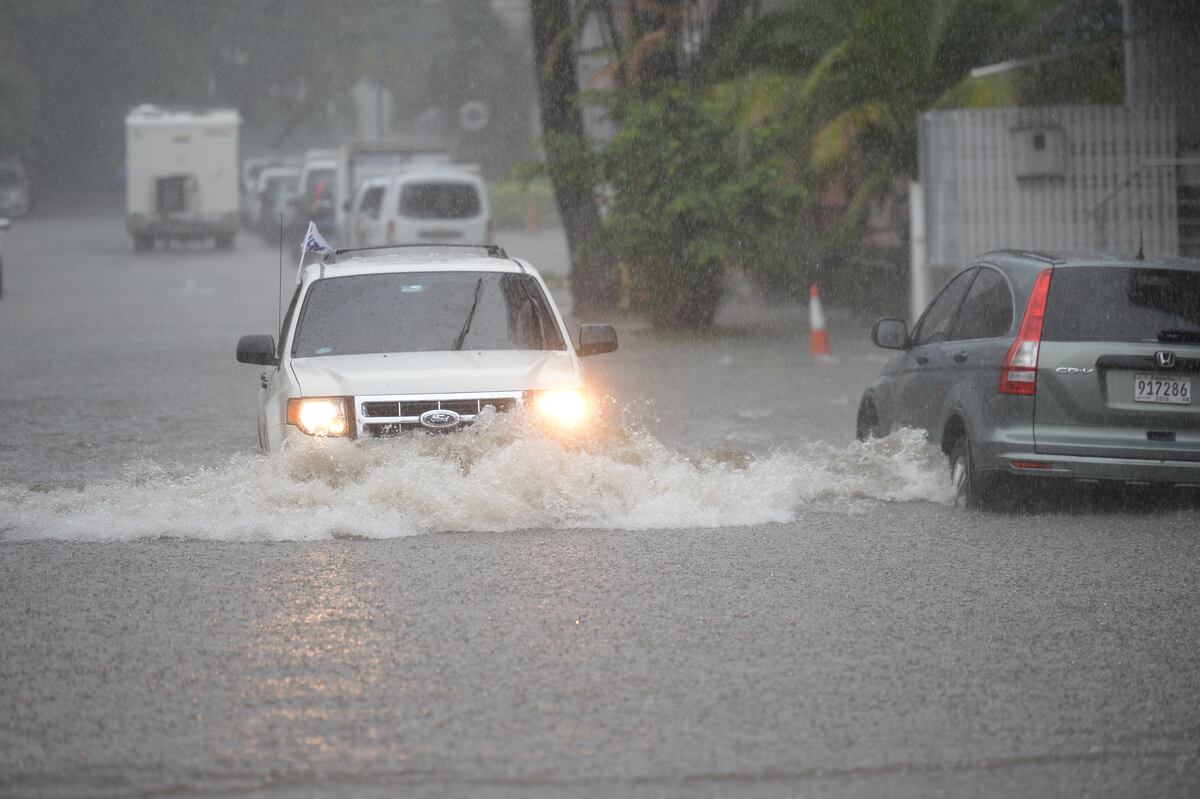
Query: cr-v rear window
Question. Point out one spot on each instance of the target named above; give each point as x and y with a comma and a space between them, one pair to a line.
439, 201
1123, 304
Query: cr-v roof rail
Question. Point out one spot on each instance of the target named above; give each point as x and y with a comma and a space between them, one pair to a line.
1043, 256
1037, 256
493, 250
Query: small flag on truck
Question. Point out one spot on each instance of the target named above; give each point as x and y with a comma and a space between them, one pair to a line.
314, 250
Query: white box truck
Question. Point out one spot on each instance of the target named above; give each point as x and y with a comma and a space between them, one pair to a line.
181, 170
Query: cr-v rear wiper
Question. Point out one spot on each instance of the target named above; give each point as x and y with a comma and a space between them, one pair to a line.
1175, 336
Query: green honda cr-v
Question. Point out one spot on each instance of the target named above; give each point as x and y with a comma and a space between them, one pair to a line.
1077, 367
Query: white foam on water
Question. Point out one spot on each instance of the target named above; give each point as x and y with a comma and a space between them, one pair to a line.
500, 475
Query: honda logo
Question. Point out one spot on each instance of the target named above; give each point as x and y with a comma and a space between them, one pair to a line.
1165, 359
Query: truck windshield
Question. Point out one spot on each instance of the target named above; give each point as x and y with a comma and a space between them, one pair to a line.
1122, 304
425, 312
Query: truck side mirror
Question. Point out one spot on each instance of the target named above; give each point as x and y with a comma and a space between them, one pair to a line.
596, 340
257, 349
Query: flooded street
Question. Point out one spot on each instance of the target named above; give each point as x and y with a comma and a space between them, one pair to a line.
719, 593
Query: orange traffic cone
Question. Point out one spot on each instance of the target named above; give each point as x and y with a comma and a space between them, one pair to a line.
818, 338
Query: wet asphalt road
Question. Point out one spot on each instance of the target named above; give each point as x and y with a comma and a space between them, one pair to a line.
864, 648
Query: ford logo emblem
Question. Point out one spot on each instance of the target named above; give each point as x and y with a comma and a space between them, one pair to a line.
439, 419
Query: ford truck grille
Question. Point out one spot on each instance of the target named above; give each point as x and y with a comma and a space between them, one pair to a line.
388, 416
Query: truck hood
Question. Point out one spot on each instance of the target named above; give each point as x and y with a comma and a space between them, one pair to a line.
436, 372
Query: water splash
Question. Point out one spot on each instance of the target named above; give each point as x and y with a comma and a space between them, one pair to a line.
500, 475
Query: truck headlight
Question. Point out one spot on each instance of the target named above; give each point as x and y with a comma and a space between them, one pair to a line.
319, 416
563, 407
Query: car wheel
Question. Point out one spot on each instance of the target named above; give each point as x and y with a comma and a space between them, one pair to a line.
143, 243
1, 276
971, 489
867, 425
224, 242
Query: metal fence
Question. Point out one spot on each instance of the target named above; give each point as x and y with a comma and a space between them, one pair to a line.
1106, 176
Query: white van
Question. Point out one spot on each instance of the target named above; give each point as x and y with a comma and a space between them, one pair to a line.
428, 204
366, 210
181, 175
360, 161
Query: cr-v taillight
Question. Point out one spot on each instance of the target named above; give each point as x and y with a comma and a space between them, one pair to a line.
391, 231
1018, 375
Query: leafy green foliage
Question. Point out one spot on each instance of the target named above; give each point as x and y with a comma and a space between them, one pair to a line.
831, 95
690, 199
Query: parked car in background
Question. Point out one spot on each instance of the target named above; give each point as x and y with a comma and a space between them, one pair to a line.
378, 344
14, 188
251, 169
317, 201
430, 204
1071, 367
275, 194
4, 224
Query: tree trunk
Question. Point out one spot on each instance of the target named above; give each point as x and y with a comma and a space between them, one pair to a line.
595, 285
723, 25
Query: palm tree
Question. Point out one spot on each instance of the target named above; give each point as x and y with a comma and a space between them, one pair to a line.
853, 109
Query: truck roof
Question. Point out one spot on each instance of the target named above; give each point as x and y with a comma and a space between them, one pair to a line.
151, 115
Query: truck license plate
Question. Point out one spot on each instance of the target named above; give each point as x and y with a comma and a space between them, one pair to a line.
1156, 388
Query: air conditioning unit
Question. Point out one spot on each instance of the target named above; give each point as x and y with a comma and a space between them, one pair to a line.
1039, 152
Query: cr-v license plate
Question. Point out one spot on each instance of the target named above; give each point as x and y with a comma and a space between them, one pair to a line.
1156, 388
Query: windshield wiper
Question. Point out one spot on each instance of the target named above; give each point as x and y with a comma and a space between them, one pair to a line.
462, 334
1176, 336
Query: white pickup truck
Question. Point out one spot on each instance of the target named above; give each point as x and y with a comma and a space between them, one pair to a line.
382, 343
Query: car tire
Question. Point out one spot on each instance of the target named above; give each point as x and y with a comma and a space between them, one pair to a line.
143, 243
224, 242
867, 425
1, 277
971, 489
